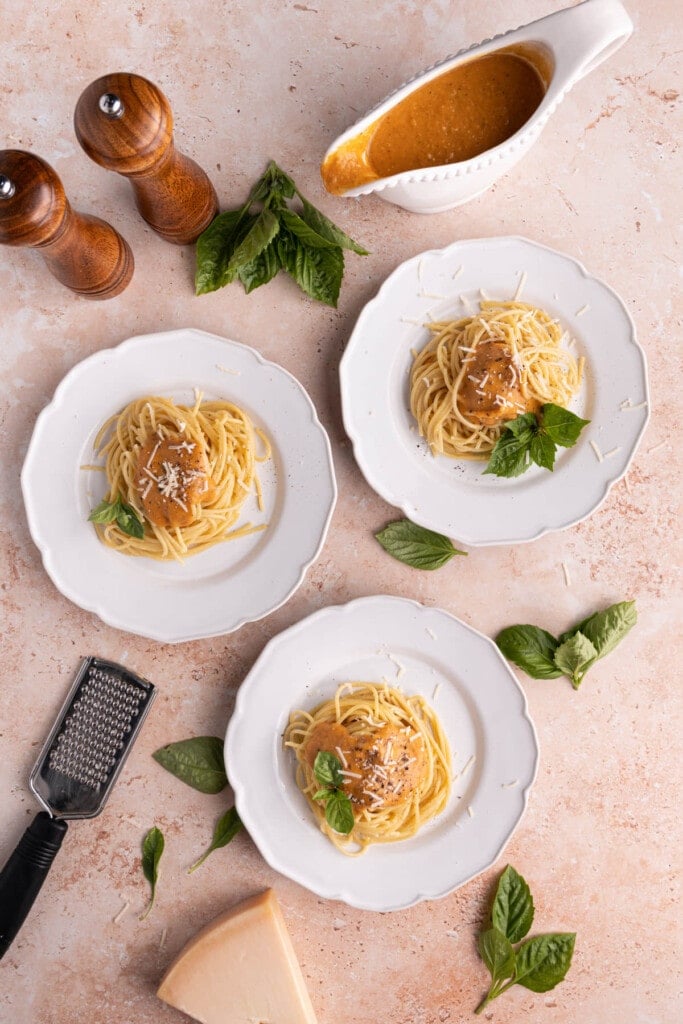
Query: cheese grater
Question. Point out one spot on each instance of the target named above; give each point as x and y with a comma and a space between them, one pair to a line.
73, 776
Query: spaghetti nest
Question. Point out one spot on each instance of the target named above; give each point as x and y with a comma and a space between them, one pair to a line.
452, 364
395, 756
207, 491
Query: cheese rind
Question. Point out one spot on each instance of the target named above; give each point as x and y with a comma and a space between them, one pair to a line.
240, 969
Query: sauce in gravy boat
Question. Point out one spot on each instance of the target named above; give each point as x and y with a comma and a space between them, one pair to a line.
447, 134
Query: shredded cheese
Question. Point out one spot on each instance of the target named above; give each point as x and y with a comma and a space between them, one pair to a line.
584, 309
520, 286
598, 454
567, 577
121, 912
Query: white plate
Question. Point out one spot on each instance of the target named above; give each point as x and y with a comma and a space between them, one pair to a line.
217, 590
451, 496
484, 714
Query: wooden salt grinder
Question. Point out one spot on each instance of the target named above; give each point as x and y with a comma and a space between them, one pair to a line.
83, 252
125, 123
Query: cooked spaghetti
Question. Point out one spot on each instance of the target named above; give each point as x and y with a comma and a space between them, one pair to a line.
185, 471
477, 373
395, 756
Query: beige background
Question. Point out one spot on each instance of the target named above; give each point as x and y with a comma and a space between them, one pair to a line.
600, 843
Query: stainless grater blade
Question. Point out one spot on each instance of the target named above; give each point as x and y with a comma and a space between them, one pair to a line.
95, 729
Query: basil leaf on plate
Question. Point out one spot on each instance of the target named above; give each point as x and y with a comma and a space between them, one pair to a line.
531, 648
339, 812
152, 849
562, 426
225, 831
510, 455
523, 426
105, 512
543, 962
542, 451
513, 907
198, 762
575, 656
127, 520
416, 546
327, 769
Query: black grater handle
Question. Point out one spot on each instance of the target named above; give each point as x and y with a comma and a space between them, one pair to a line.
24, 873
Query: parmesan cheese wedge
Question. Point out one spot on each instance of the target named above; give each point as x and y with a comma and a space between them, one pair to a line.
241, 967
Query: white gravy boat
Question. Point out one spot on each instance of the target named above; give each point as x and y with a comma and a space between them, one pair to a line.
566, 46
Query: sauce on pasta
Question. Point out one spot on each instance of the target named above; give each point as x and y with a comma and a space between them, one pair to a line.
395, 756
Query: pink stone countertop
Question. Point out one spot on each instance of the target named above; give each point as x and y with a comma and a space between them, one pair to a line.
601, 841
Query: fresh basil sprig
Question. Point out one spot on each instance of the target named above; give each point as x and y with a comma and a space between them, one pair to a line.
540, 963
197, 762
544, 656
252, 245
416, 546
126, 518
152, 849
530, 438
225, 831
338, 810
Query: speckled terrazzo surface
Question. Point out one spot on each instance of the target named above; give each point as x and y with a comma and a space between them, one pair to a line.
600, 843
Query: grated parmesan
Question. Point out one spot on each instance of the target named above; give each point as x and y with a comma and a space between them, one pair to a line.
520, 286
584, 309
567, 577
598, 454
121, 912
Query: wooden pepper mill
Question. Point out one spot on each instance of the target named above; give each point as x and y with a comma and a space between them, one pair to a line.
83, 252
125, 123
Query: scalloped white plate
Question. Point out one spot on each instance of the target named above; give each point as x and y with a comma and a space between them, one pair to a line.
218, 590
482, 708
452, 496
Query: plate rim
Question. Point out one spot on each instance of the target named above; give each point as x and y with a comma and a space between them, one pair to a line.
242, 800
122, 348
357, 441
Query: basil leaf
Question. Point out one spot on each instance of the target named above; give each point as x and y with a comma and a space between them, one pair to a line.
225, 831
197, 762
215, 247
262, 269
339, 813
304, 232
327, 769
523, 426
608, 628
575, 656
531, 648
318, 272
513, 907
105, 512
262, 231
542, 451
127, 520
543, 962
562, 426
510, 455
152, 849
324, 227
416, 546
322, 794
279, 181
497, 953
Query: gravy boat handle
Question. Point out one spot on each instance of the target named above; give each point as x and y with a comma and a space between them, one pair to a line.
582, 37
